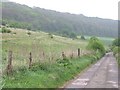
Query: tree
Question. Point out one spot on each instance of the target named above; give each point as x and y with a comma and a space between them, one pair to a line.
95, 44
82, 37
72, 35
65, 33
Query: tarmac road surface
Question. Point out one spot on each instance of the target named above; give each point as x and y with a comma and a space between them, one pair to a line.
103, 74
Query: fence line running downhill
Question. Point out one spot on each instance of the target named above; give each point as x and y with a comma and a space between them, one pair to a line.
30, 60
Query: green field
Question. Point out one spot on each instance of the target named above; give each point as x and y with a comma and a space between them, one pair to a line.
38, 42
48, 70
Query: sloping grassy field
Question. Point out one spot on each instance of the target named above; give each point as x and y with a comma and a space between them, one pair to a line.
21, 44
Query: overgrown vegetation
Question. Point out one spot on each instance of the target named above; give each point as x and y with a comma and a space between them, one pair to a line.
116, 42
116, 49
49, 75
5, 30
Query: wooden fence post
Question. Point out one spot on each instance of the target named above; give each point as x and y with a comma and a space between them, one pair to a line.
63, 55
9, 66
78, 52
30, 58
43, 55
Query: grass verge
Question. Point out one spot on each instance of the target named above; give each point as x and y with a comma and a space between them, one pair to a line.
49, 75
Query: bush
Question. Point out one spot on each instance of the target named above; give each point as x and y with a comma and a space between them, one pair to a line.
82, 37
116, 42
51, 36
64, 62
116, 50
68, 34
73, 35
96, 45
29, 33
5, 30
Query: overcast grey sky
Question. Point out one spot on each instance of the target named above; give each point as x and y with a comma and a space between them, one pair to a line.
92, 8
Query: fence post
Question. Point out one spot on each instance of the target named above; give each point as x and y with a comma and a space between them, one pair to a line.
78, 52
9, 66
63, 55
30, 58
43, 55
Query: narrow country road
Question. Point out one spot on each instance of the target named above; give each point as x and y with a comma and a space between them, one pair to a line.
103, 74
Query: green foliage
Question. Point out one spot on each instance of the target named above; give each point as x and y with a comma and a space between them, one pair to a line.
82, 37
5, 30
15, 24
73, 35
116, 42
95, 44
68, 34
64, 62
48, 75
116, 50
29, 33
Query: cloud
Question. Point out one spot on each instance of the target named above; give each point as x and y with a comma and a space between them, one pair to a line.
4, 0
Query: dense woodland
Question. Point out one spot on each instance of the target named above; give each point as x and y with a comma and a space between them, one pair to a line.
64, 24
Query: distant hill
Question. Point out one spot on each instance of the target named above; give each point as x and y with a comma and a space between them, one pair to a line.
22, 16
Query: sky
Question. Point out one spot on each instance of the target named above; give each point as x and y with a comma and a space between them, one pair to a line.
92, 8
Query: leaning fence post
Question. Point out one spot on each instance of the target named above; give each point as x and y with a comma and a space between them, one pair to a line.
9, 66
78, 52
30, 58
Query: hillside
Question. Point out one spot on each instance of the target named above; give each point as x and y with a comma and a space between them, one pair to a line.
22, 16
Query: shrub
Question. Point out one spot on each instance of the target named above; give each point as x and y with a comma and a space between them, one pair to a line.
82, 37
116, 42
116, 50
96, 45
5, 30
29, 33
73, 35
64, 62
51, 36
